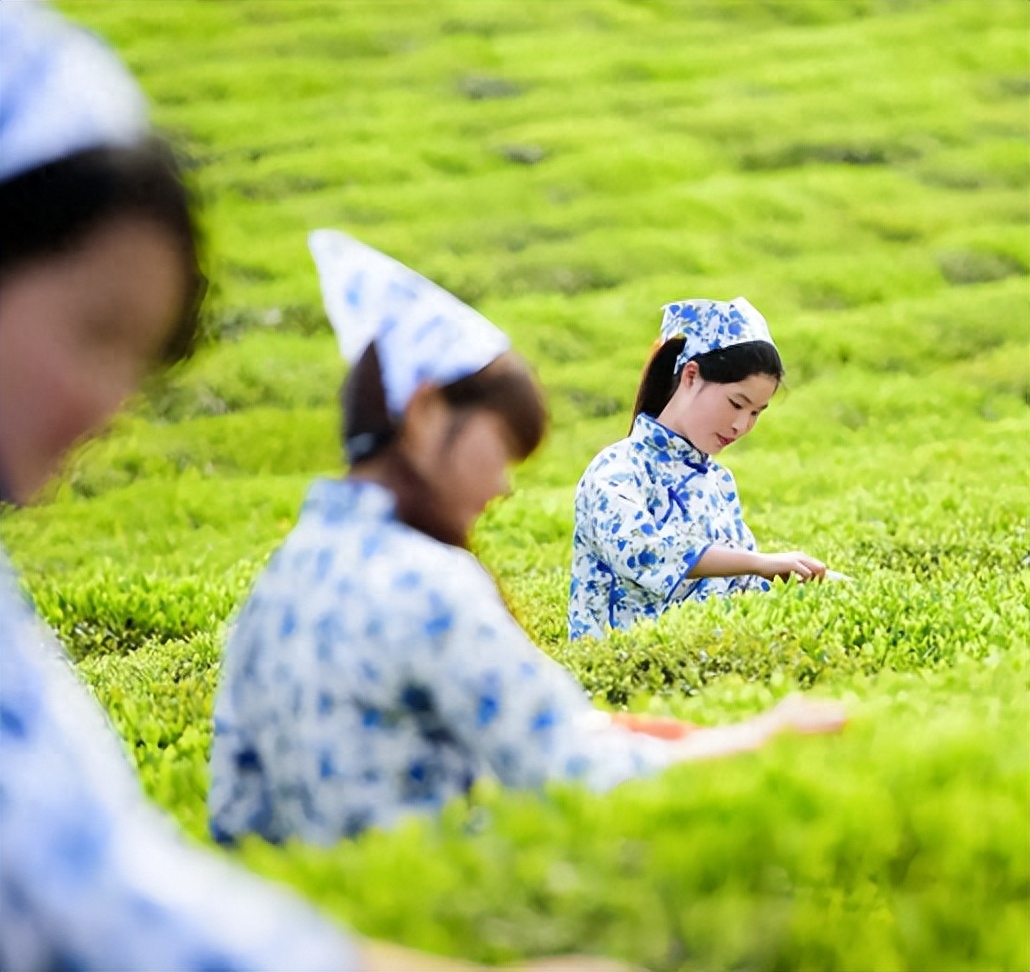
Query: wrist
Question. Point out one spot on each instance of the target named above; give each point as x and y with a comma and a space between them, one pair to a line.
765, 726
757, 563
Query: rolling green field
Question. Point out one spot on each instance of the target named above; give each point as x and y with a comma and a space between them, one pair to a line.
858, 170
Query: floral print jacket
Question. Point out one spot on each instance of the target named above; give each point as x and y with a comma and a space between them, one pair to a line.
375, 672
647, 508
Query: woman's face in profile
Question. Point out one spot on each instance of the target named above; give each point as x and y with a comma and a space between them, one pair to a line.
473, 467
78, 332
462, 454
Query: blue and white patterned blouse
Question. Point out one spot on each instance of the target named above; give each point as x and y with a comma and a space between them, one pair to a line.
376, 672
647, 508
91, 877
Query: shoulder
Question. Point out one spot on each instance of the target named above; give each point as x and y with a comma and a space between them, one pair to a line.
720, 474
384, 585
614, 465
16, 615
413, 560
27, 643
394, 567
429, 595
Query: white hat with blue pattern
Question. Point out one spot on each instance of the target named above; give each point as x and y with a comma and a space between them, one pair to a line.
711, 325
422, 332
61, 91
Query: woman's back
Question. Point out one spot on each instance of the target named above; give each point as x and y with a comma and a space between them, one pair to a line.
324, 725
375, 671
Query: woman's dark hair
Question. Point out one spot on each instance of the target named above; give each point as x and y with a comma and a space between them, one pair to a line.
723, 366
505, 386
52, 209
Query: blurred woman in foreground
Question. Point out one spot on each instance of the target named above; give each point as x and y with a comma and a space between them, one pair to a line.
99, 284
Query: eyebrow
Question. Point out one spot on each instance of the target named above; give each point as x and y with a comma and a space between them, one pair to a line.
748, 400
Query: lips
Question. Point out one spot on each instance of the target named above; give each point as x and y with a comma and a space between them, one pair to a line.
723, 441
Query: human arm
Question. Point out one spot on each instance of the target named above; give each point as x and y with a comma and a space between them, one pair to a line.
88, 885
541, 726
793, 714
722, 561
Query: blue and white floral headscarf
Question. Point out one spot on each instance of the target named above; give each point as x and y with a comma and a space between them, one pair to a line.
422, 333
711, 325
61, 91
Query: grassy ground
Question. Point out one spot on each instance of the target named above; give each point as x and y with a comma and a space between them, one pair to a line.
857, 169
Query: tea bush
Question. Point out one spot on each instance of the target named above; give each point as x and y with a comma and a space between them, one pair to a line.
858, 170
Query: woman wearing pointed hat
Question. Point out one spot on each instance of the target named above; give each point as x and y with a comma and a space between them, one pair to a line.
658, 521
375, 670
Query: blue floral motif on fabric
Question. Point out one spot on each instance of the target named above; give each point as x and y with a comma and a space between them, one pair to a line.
647, 508
710, 325
429, 684
93, 878
422, 332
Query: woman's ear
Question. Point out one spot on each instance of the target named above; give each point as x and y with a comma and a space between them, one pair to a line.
690, 374
424, 422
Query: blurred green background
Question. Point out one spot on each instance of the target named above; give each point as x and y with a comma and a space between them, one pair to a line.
858, 170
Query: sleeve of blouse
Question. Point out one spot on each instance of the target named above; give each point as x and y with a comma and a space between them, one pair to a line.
519, 710
657, 552
91, 877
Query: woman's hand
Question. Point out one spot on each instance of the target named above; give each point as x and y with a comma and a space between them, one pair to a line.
384, 957
794, 714
796, 563
720, 561
809, 717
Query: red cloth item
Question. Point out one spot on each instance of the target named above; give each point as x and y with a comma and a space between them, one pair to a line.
663, 727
